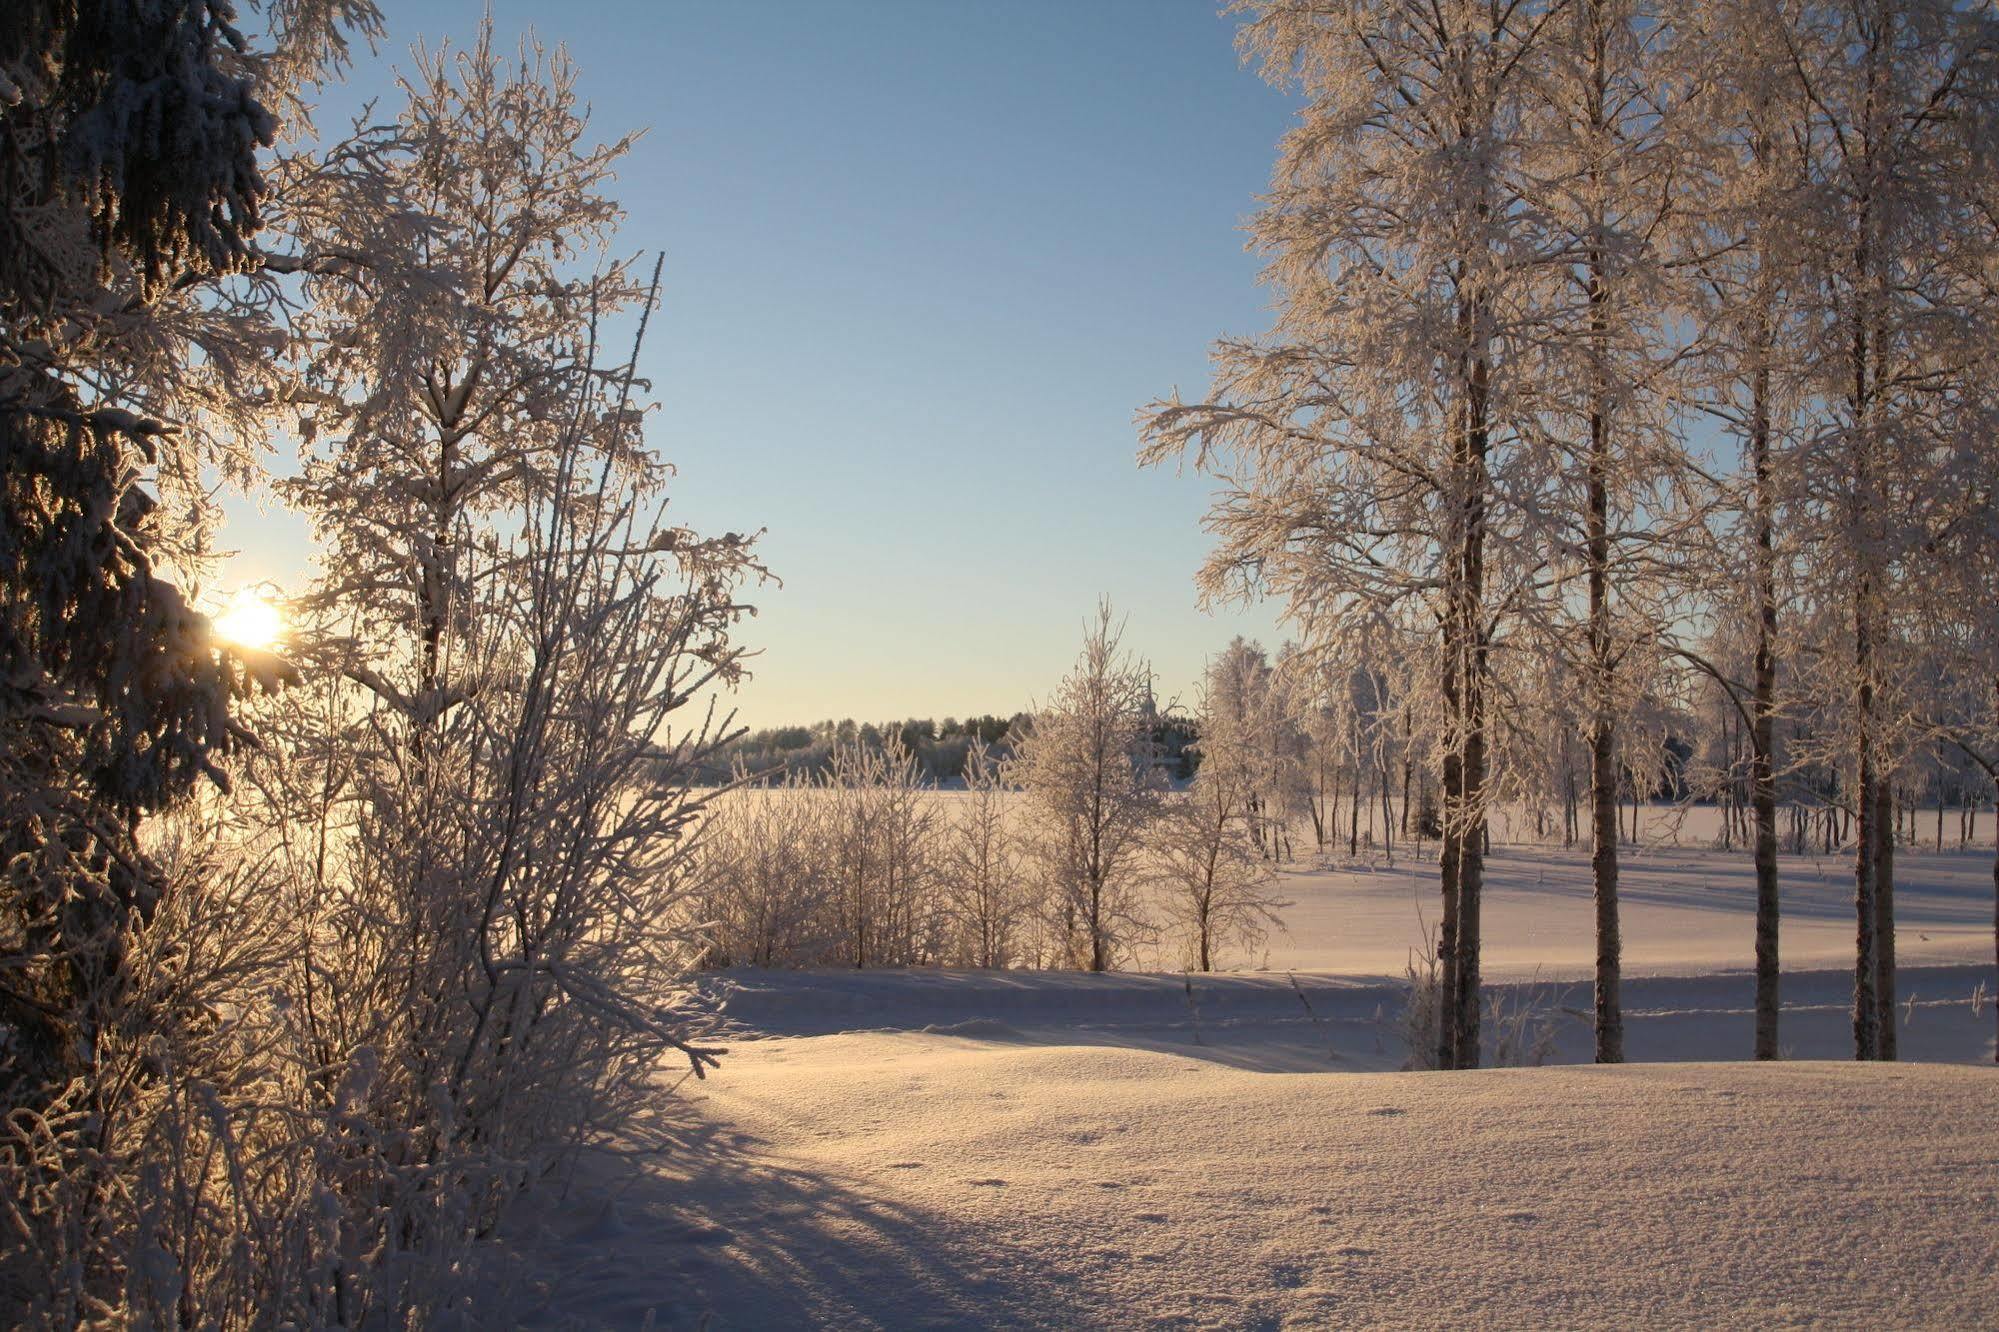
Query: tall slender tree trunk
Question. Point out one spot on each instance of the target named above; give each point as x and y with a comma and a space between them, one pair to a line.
1866, 1013
1763, 710
1353, 812
1603, 729
1884, 922
1472, 638
1408, 771
1449, 856
1387, 815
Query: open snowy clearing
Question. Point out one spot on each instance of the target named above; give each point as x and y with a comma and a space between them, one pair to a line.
965, 1149
1685, 911
909, 1180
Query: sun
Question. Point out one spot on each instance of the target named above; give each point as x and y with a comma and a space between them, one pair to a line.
250, 620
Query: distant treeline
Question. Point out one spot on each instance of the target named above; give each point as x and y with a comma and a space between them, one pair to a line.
939, 747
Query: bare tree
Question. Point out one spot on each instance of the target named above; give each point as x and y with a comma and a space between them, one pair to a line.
1090, 776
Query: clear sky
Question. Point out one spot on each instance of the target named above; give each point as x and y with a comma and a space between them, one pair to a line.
923, 262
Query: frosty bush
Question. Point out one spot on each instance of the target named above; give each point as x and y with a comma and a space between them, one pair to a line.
985, 899
1523, 1024
762, 886
1422, 1013
839, 868
880, 846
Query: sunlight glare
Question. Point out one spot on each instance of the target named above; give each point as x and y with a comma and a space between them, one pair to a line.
251, 620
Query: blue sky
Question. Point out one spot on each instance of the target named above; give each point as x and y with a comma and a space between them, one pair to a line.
923, 262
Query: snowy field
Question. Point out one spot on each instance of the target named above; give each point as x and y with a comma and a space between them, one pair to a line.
969, 1149
1685, 911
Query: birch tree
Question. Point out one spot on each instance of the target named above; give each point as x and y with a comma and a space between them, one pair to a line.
1750, 142
1603, 172
1885, 81
1211, 838
1365, 444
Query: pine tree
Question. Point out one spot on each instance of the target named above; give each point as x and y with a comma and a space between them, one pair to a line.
132, 192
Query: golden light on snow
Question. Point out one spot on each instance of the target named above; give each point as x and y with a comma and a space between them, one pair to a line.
251, 620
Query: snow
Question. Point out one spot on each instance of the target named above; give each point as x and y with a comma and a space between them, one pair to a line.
967, 1149
910, 1180
1685, 911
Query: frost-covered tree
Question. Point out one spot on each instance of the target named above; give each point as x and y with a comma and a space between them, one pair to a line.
1247, 725
1601, 175
1891, 205
982, 867
485, 802
1748, 168
492, 897
1367, 443
1211, 856
1092, 783
440, 362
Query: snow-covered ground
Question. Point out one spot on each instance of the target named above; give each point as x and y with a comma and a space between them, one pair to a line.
967, 1149
1685, 911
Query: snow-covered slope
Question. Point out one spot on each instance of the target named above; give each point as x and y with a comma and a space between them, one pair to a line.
926, 1180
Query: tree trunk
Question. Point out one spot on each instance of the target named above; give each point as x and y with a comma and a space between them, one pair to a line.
1763, 708
1407, 773
1472, 636
1603, 735
1884, 924
1448, 858
1353, 815
1866, 1013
